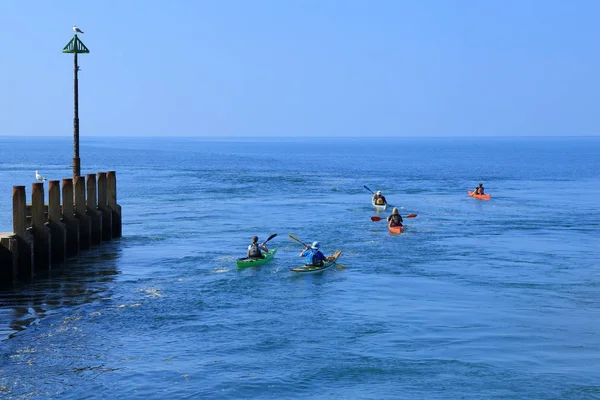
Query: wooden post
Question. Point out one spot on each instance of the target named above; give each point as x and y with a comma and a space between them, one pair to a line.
58, 229
24, 236
19, 213
6, 275
41, 233
9, 259
103, 207
92, 210
85, 226
72, 223
112, 203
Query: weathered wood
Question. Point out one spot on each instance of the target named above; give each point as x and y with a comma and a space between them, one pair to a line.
85, 226
41, 233
23, 235
45, 235
6, 273
28, 214
111, 177
19, 210
58, 229
92, 210
9, 258
68, 216
103, 207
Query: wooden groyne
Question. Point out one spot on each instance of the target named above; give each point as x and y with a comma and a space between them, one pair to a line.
45, 235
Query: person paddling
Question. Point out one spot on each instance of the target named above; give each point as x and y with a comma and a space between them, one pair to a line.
254, 249
395, 219
379, 199
314, 257
479, 189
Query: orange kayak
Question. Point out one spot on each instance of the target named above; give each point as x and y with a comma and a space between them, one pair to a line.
479, 196
395, 229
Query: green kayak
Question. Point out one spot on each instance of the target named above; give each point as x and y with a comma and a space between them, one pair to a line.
253, 262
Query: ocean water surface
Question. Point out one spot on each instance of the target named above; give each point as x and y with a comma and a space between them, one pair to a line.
494, 299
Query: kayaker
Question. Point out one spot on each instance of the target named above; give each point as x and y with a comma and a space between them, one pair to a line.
254, 250
395, 219
479, 189
314, 257
379, 199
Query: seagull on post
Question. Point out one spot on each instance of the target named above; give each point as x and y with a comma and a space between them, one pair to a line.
39, 177
76, 29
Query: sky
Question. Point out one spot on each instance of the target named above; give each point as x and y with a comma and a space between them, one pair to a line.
286, 68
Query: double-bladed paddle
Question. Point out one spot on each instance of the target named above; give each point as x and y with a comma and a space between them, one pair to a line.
297, 239
365, 186
375, 219
269, 238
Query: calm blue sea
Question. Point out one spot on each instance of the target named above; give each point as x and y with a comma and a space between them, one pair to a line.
475, 300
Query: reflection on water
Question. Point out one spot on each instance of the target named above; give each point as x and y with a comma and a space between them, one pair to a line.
78, 282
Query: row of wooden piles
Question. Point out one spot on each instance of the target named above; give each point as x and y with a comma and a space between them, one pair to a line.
46, 235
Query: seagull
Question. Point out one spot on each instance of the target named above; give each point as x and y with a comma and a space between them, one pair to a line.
39, 177
76, 29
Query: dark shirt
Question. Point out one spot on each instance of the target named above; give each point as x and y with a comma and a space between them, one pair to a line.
395, 220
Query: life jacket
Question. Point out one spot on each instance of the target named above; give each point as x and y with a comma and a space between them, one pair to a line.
395, 220
379, 201
254, 251
312, 260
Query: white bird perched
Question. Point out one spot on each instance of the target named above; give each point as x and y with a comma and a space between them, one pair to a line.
76, 29
39, 177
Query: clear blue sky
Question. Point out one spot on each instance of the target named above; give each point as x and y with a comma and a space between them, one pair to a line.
303, 67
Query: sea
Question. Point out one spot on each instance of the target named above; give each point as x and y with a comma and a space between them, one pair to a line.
495, 299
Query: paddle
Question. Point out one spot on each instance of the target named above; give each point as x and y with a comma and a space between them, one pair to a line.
296, 239
269, 238
365, 186
375, 219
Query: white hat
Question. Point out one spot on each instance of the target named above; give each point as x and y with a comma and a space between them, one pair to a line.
315, 245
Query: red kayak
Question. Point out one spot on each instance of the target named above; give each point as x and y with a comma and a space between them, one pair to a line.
479, 196
395, 229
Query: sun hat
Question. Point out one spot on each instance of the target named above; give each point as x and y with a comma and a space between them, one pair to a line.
315, 245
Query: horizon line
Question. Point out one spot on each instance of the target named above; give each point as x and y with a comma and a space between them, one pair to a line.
302, 136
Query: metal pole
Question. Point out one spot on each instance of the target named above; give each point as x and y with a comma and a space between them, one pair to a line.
76, 161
